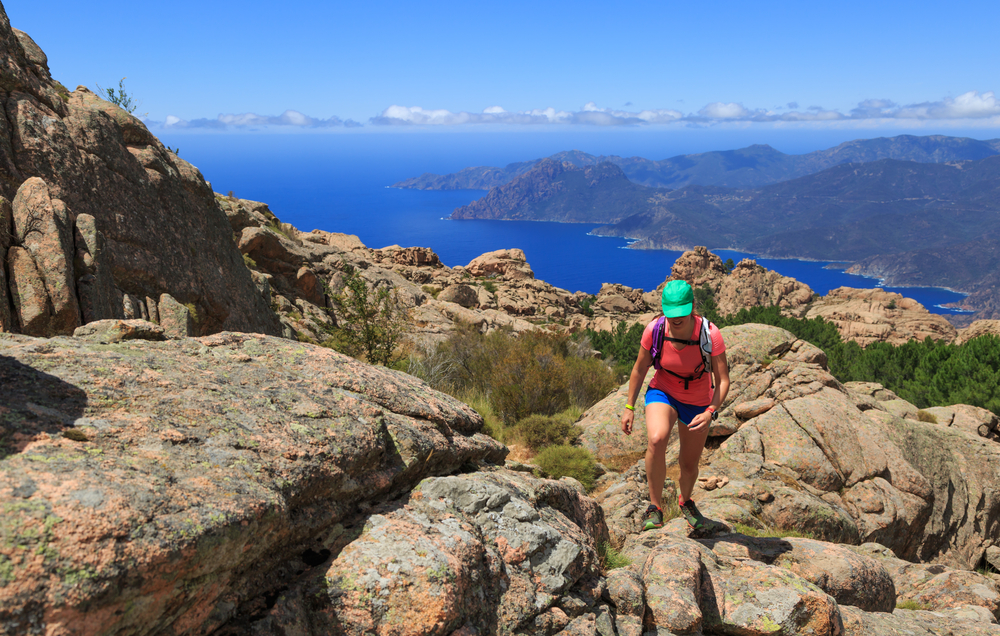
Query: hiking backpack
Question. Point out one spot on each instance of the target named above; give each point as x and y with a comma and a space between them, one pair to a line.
704, 343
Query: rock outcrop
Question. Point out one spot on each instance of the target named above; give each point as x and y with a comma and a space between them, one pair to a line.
748, 285
166, 487
874, 315
105, 219
298, 270
978, 328
491, 552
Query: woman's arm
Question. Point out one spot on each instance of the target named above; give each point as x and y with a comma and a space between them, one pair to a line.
720, 369
642, 363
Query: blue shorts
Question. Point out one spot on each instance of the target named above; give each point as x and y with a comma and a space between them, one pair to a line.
685, 412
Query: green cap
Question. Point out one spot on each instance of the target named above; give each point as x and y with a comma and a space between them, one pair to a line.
677, 299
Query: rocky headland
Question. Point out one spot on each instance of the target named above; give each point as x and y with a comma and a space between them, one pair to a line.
171, 465
930, 219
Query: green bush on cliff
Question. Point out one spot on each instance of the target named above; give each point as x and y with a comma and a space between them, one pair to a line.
122, 99
371, 320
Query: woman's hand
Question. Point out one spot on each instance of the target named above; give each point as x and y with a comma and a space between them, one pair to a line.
627, 418
698, 421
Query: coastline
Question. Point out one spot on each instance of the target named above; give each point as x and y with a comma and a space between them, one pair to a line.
842, 266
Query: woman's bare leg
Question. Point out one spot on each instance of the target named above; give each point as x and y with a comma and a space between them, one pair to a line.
660, 420
692, 445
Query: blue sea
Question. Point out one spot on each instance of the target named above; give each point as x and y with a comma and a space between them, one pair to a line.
340, 183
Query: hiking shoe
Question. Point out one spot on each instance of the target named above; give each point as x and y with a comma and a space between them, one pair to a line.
653, 518
693, 516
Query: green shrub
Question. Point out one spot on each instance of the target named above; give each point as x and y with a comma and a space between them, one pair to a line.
490, 286
925, 416
372, 320
540, 431
704, 302
568, 461
121, 98
611, 559
75, 434
618, 347
517, 374
910, 604
529, 377
590, 380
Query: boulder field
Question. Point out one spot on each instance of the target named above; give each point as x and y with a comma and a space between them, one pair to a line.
900, 502
246, 484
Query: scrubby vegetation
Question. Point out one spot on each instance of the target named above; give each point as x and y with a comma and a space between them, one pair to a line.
928, 373
910, 604
372, 321
568, 461
540, 431
535, 372
619, 346
530, 388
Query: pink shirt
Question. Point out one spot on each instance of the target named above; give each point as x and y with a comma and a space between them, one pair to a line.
684, 362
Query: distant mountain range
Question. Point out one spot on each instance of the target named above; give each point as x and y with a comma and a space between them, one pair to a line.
751, 167
912, 223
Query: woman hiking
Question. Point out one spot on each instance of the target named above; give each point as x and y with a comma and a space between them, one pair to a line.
682, 390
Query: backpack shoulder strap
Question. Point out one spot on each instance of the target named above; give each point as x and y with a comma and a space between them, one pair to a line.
656, 349
705, 343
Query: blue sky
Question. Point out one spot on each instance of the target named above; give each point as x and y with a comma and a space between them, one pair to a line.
451, 65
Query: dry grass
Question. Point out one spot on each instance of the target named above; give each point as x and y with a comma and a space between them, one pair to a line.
621, 463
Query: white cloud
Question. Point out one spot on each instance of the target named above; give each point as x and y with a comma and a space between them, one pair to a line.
289, 118
972, 105
718, 110
590, 115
